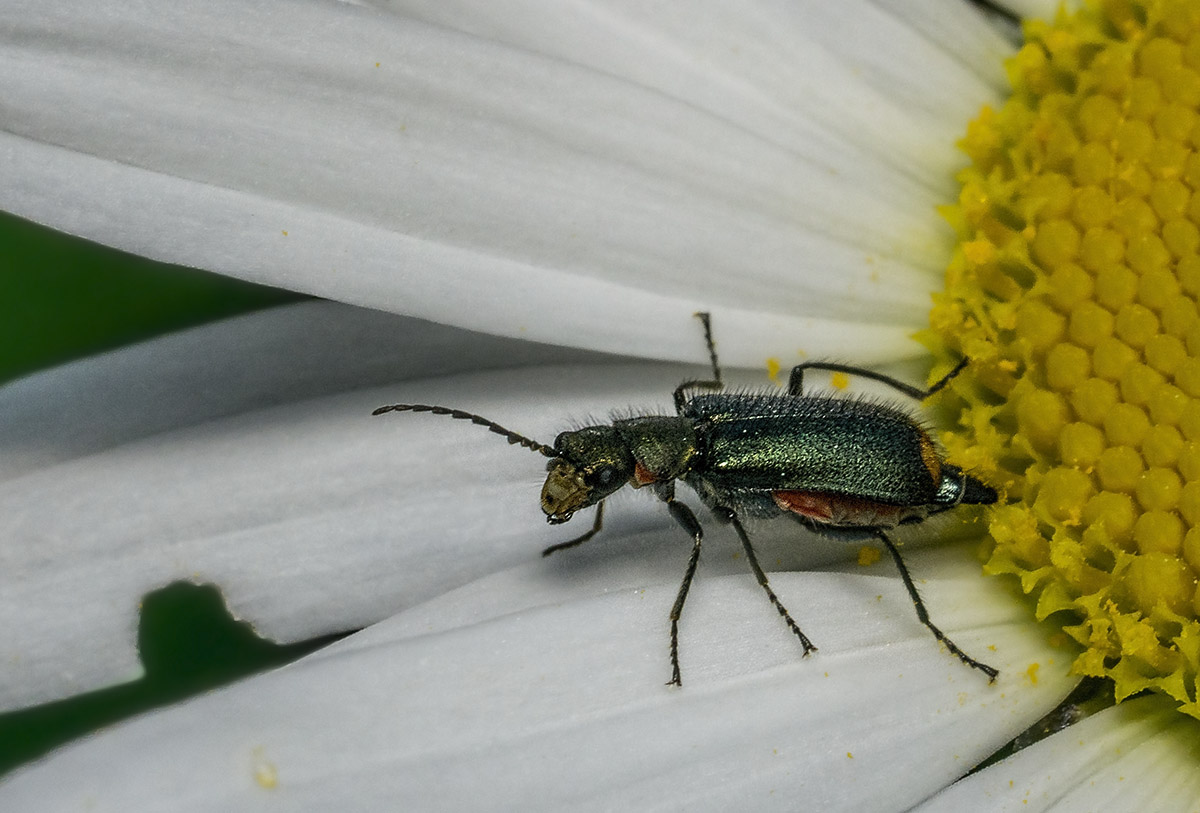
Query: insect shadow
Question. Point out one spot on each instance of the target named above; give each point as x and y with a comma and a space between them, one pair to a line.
845, 467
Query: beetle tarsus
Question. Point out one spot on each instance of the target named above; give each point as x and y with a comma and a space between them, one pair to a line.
923, 613
675, 680
948, 377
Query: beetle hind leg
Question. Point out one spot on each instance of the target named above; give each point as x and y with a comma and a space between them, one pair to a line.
796, 380
923, 613
732, 518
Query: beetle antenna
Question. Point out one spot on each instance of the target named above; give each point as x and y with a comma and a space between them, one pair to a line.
478, 420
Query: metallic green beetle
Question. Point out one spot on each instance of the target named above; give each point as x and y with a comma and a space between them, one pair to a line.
845, 467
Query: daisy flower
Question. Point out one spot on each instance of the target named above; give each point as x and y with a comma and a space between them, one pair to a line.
492, 193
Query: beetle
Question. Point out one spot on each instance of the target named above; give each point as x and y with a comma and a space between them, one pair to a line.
846, 467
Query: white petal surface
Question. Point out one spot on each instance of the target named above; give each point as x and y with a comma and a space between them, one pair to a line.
1142, 755
869, 89
955, 27
372, 158
561, 705
237, 365
1044, 9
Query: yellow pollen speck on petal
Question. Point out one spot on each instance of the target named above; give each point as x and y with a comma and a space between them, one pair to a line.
773, 368
839, 381
266, 775
1075, 294
1032, 673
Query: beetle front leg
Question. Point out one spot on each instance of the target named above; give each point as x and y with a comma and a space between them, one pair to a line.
796, 380
579, 540
923, 613
729, 516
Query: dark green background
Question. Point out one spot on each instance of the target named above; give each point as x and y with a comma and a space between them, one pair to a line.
63, 298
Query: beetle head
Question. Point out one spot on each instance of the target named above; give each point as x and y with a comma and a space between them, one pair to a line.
591, 463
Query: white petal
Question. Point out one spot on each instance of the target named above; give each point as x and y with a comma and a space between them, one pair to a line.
884, 92
1141, 755
956, 28
561, 705
413, 168
1042, 9
238, 365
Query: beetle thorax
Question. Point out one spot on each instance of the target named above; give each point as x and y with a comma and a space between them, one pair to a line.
664, 447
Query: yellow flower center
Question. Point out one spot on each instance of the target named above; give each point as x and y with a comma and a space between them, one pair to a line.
1073, 292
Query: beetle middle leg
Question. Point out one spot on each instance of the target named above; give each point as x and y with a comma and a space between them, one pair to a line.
716, 383
684, 516
597, 524
923, 613
727, 515
796, 380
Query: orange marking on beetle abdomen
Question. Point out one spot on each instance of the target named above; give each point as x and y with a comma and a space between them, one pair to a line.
930, 457
834, 509
643, 476
809, 504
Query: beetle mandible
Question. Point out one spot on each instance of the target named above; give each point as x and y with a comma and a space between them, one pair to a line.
843, 466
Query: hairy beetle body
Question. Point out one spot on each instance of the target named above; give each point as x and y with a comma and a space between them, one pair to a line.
846, 467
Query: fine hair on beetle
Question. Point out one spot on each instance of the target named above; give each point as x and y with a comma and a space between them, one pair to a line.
848, 467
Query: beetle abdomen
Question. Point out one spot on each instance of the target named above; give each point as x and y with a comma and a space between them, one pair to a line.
842, 512
837, 446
